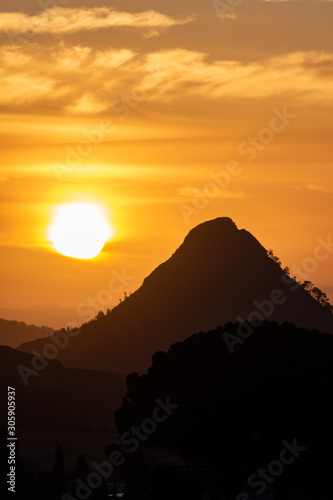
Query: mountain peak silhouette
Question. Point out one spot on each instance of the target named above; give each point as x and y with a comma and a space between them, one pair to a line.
210, 234
212, 228
219, 274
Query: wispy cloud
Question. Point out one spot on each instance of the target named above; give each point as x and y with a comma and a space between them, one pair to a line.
314, 188
84, 80
191, 192
301, 74
62, 74
62, 21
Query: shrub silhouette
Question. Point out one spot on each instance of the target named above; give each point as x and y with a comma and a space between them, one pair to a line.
235, 412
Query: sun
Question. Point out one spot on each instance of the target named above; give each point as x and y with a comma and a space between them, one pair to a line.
79, 230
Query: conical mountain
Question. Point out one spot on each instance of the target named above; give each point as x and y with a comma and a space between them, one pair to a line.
218, 274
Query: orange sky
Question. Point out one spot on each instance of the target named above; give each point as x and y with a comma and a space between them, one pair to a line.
169, 94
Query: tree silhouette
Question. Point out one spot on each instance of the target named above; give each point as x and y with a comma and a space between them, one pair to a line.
58, 474
235, 412
314, 291
272, 256
317, 294
100, 314
81, 471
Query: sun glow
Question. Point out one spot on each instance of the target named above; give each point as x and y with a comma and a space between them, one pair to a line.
79, 230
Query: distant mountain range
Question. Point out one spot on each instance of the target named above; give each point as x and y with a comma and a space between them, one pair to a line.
13, 333
52, 315
218, 274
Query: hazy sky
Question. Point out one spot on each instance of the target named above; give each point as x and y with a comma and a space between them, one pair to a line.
170, 93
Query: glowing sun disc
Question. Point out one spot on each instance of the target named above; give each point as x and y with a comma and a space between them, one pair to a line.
79, 230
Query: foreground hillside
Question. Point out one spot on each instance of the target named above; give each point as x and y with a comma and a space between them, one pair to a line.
239, 426
72, 406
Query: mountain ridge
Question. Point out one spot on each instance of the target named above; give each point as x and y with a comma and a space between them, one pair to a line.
216, 276
13, 333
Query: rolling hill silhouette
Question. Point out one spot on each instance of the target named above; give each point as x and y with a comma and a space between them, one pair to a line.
59, 404
52, 315
13, 333
218, 274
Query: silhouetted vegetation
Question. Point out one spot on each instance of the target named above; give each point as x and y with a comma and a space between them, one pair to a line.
313, 290
58, 475
44, 484
234, 409
235, 412
81, 472
317, 294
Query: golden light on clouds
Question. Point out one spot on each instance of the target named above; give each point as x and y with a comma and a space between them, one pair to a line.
81, 79
180, 90
63, 21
